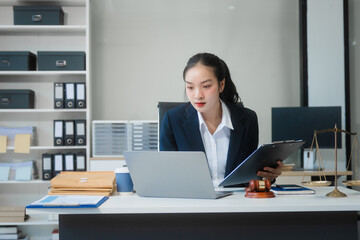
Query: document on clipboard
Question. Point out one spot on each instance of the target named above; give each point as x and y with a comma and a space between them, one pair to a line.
68, 201
266, 155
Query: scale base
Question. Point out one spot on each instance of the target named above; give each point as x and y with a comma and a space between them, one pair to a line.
336, 193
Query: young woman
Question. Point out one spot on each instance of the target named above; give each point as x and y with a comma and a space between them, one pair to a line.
213, 121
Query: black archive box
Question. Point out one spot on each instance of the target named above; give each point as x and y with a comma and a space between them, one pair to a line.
17, 61
16, 98
38, 15
61, 61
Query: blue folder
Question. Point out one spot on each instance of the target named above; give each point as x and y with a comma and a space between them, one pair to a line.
68, 201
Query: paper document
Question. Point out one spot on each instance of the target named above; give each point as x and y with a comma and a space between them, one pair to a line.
3, 144
64, 201
18, 171
4, 173
22, 143
11, 132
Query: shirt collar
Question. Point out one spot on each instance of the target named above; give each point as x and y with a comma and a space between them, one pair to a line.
225, 120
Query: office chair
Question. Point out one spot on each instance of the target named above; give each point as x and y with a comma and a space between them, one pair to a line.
163, 107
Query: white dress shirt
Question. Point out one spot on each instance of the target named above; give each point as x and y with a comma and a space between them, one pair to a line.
217, 145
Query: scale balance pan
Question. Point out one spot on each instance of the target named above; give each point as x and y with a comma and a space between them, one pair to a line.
317, 183
351, 183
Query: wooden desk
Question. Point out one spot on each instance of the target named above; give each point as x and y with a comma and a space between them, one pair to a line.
283, 217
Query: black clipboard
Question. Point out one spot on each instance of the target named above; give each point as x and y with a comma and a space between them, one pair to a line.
266, 155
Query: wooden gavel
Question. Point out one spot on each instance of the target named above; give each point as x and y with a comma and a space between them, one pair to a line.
259, 189
259, 185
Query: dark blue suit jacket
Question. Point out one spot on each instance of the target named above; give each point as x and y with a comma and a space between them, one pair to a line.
180, 132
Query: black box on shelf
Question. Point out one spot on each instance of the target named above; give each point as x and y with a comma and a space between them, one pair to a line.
38, 15
16, 98
17, 61
61, 61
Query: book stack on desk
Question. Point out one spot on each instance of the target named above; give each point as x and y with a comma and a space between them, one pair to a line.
12, 214
83, 183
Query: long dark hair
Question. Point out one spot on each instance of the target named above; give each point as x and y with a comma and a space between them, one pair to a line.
229, 94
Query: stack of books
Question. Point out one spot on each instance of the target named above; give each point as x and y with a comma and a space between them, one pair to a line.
12, 214
11, 232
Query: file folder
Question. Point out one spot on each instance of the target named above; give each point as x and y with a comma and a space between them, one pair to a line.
47, 166
80, 162
80, 132
58, 132
80, 95
69, 133
74, 201
69, 95
58, 95
69, 160
58, 163
83, 183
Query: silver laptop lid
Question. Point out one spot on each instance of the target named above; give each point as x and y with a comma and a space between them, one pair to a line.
170, 174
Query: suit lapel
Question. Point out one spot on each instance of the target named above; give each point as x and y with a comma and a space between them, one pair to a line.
235, 141
191, 128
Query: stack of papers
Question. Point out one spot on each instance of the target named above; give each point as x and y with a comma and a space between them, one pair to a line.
11, 132
12, 214
73, 201
83, 183
22, 171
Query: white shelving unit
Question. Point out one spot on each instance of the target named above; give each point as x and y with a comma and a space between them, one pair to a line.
74, 35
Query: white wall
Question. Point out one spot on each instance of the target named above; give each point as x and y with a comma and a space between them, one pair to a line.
326, 53
326, 69
139, 49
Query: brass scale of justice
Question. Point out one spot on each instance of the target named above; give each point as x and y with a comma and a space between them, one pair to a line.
355, 145
261, 189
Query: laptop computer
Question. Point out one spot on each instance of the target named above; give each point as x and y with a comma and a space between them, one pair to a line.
171, 174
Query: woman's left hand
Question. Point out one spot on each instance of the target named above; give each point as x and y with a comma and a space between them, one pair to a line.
271, 173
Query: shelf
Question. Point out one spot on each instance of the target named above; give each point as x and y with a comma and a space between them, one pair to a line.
52, 148
64, 110
42, 29
47, 2
73, 36
26, 182
41, 73
33, 220
315, 173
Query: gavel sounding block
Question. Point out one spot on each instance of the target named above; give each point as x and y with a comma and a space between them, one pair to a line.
259, 189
